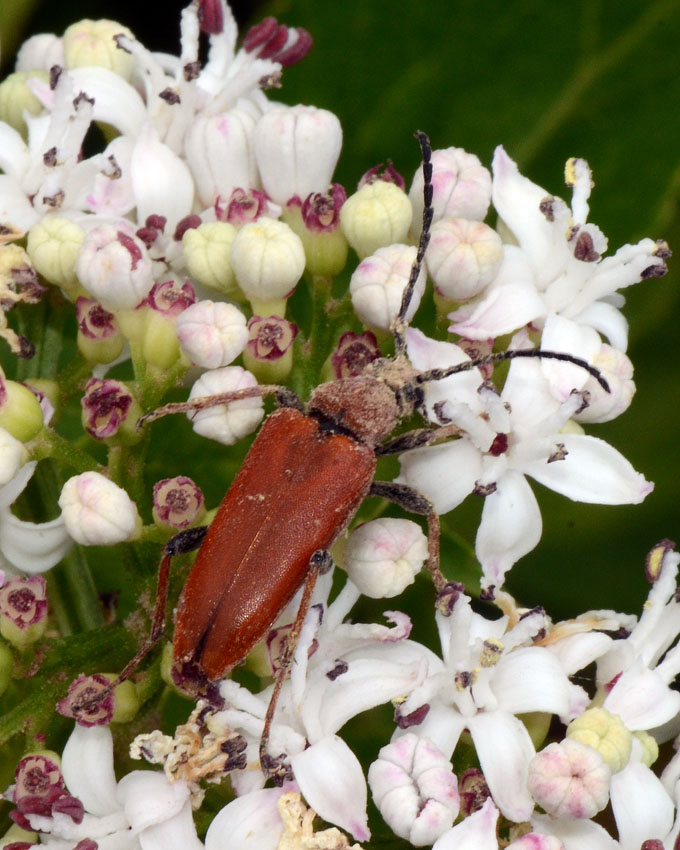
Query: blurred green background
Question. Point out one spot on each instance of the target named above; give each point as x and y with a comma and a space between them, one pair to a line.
548, 80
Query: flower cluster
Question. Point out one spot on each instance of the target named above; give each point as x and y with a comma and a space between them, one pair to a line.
173, 253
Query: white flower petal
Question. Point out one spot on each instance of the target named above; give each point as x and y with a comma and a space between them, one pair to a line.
116, 102
476, 832
33, 547
575, 834
593, 471
87, 767
161, 181
149, 799
565, 336
530, 678
502, 311
641, 805
642, 699
446, 474
176, 833
250, 822
607, 320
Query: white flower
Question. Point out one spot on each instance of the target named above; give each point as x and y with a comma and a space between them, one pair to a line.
98, 512
503, 439
226, 423
556, 265
212, 333
476, 832
378, 283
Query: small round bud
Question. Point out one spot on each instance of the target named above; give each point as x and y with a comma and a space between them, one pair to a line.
353, 353
384, 556
231, 422
20, 411
414, 787
268, 260
207, 255
461, 188
126, 702
269, 353
99, 339
219, 151
463, 257
604, 732
114, 267
212, 334
23, 610
109, 410
569, 780
84, 704
98, 512
296, 148
17, 98
164, 304
378, 283
53, 245
13, 454
93, 43
177, 503
377, 215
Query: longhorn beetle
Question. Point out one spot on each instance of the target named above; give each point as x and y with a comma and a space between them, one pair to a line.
301, 483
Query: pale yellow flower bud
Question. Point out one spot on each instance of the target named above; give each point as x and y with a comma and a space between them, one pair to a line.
650, 748
92, 43
206, 253
604, 732
15, 97
379, 214
53, 245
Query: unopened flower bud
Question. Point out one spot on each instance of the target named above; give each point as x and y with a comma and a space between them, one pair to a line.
99, 339
53, 245
167, 300
353, 353
231, 422
126, 702
414, 787
243, 206
322, 237
23, 610
463, 257
604, 732
268, 260
377, 215
20, 411
569, 780
384, 556
461, 188
212, 334
378, 283
98, 512
114, 267
109, 410
617, 369
177, 503
13, 454
16, 98
93, 43
269, 353
207, 255
219, 151
85, 705
296, 148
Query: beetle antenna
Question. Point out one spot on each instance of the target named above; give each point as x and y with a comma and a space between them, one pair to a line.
490, 359
400, 323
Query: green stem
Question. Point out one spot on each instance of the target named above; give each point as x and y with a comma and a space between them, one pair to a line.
50, 444
82, 591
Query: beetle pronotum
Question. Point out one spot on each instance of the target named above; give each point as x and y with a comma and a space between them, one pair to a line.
301, 483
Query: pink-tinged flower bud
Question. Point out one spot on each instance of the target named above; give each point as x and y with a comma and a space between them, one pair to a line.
212, 334
378, 283
463, 257
617, 369
20, 411
207, 256
114, 267
268, 260
269, 353
82, 702
388, 174
166, 301
353, 353
226, 423
377, 215
461, 188
98, 512
414, 787
384, 556
271, 40
569, 780
13, 454
99, 339
23, 610
243, 206
219, 151
296, 148
177, 502
109, 410
318, 225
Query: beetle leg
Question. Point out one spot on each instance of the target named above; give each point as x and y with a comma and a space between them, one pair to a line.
277, 767
415, 502
285, 396
415, 439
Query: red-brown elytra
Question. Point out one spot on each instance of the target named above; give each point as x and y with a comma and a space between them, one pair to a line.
301, 483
